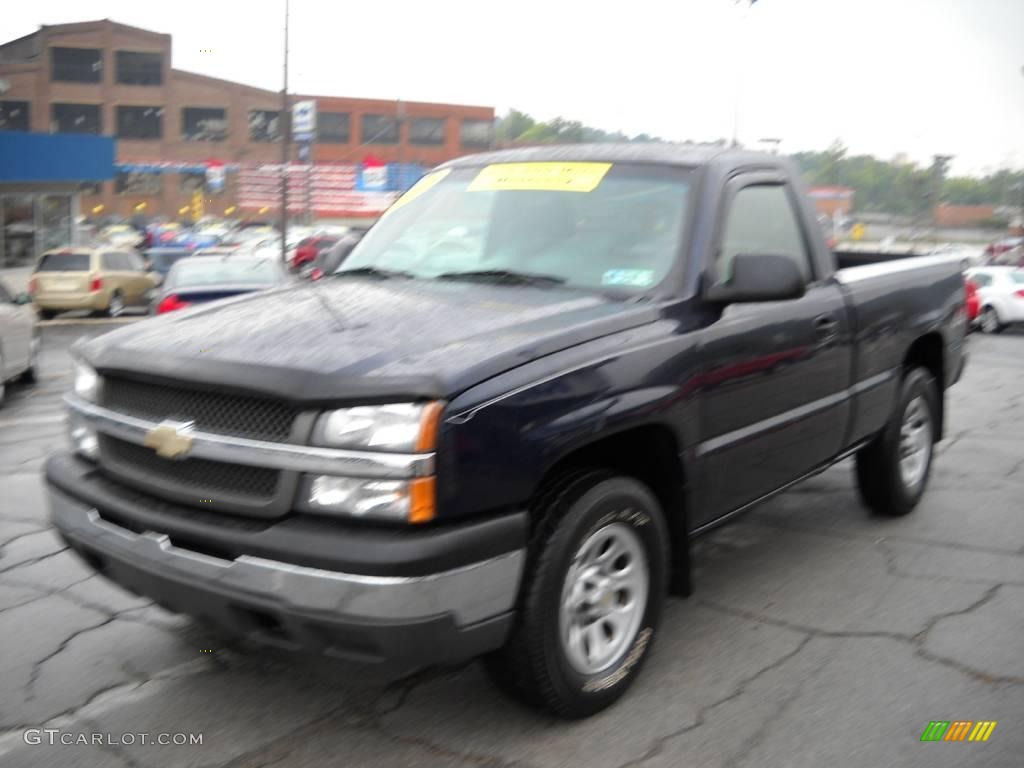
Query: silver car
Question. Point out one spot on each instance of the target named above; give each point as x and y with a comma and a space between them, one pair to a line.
19, 344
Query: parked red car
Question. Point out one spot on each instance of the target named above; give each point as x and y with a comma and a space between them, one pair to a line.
973, 302
309, 249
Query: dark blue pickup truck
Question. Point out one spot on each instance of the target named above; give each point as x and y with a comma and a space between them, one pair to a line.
496, 429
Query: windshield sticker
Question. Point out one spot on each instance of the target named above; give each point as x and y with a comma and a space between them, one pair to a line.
423, 185
634, 278
548, 177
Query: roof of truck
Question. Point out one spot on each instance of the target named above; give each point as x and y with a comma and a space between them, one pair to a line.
689, 155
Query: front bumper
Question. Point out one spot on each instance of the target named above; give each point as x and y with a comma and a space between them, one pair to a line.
437, 617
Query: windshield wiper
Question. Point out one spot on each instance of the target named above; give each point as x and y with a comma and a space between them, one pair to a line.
506, 276
375, 272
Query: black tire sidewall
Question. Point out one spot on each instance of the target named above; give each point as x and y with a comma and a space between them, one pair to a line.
997, 325
917, 383
614, 500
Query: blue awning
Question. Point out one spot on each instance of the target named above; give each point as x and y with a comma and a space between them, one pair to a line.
55, 157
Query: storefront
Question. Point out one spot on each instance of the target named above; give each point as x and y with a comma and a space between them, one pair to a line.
41, 176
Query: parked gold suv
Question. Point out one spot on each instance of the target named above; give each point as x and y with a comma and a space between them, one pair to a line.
103, 280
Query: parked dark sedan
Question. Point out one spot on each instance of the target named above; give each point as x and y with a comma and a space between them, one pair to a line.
199, 279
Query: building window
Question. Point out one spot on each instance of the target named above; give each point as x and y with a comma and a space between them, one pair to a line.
138, 183
426, 131
140, 122
476, 134
333, 127
76, 65
75, 118
264, 125
14, 116
380, 129
204, 124
137, 68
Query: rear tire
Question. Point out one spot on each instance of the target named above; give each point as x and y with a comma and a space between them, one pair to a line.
47, 314
893, 469
989, 321
591, 600
115, 307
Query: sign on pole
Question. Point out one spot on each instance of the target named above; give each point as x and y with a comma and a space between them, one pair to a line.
303, 118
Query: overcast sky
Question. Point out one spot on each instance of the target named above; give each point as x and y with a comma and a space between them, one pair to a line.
884, 76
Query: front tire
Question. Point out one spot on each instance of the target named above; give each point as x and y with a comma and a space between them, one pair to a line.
893, 470
31, 374
592, 596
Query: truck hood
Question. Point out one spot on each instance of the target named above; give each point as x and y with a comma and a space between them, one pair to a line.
362, 338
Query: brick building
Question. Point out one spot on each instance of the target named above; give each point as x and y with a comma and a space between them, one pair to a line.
107, 78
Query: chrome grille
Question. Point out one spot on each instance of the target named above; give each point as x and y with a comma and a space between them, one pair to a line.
255, 418
204, 478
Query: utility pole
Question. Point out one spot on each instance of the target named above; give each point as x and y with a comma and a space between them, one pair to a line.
284, 124
400, 117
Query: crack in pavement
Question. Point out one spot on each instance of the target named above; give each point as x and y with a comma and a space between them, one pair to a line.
32, 561
113, 750
367, 718
64, 594
916, 640
42, 592
37, 667
751, 743
8, 542
658, 746
893, 569
871, 535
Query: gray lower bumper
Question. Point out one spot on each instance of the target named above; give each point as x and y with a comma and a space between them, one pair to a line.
469, 595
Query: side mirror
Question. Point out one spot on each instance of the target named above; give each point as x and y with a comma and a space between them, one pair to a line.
22, 298
764, 277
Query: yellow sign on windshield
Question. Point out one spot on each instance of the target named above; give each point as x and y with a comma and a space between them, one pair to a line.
557, 177
424, 184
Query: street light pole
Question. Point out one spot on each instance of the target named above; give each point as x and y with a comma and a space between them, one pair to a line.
284, 124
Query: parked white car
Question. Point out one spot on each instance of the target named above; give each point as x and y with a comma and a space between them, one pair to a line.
1001, 290
19, 342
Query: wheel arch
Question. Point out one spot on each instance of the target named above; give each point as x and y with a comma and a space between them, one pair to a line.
651, 454
929, 352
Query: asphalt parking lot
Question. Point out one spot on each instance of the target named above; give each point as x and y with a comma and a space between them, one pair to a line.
818, 635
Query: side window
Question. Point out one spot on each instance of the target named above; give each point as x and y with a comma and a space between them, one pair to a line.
109, 262
132, 261
761, 220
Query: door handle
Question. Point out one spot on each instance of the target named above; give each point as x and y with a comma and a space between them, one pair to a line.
825, 326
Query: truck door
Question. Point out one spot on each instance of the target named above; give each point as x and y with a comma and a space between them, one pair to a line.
774, 402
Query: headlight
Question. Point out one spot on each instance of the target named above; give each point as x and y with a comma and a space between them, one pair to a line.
83, 438
405, 501
393, 427
87, 383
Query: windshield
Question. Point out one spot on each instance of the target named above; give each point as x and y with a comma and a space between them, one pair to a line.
588, 225
1017, 277
230, 271
163, 260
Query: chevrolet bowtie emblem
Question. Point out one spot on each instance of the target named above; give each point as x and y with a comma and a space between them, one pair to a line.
170, 439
